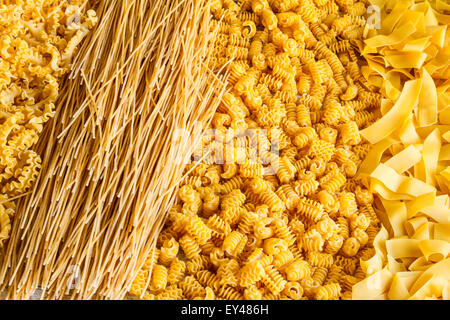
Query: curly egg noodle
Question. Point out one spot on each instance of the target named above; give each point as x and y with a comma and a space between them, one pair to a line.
37, 42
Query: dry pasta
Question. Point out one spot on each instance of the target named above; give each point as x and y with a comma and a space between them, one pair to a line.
282, 217
407, 168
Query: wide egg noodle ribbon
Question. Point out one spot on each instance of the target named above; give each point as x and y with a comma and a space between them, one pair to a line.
401, 283
400, 184
420, 44
373, 157
413, 224
396, 37
382, 128
403, 248
442, 5
396, 216
372, 265
395, 265
428, 101
407, 133
422, 232
378, 188
420, 264
440, 211
431, 147
406, 59
389, 22
444, 116
444, 154
442, 232
405, 159
442, 268
434, 250
373, 287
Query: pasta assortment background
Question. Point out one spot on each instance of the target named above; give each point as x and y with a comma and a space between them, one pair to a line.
320, 171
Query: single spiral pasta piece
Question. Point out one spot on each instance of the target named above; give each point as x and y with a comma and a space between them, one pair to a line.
208, 279
191, 288
334, 275
176, 271
158, 280
304, 83
269, 19
230, 215
286, 170
334, 183
306, 187
251, 273
334, 244
297, 270
348, 281
350, 133
363, 118
351, 247
283, 231
198, 230
233, 199
302, 164
319, 275
328, 291
333, 114
229, 293
311, 209
198, 263
318, 259
234, 243
288, 19
305, 137
189, 246
168, 251
229, 185
293, 290
291, 198
308, 11
273, 280
348, 206
227, 272
321, 149
246, 222
273, 83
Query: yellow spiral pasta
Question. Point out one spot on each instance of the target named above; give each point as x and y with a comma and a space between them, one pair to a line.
328, 291
284, 215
